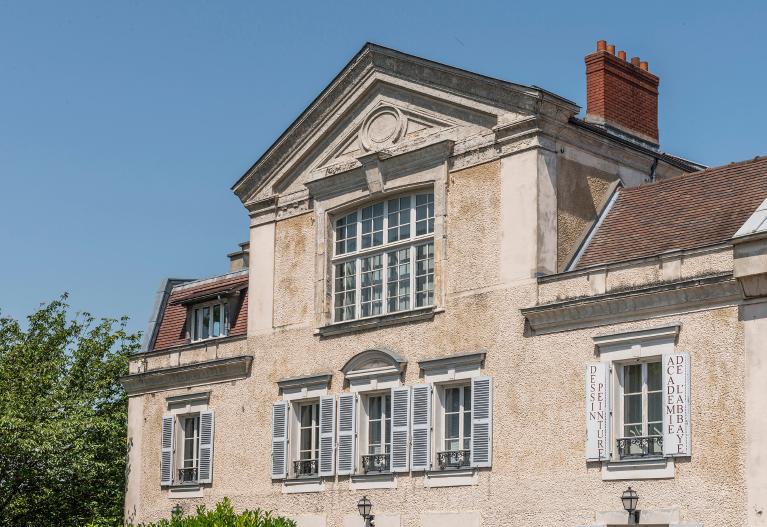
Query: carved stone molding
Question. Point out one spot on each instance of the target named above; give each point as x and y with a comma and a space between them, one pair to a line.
633, 304
209, 372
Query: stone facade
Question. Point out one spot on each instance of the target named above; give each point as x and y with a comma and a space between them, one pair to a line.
517, 186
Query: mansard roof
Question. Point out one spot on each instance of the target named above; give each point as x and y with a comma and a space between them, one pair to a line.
694, 210
374, 64
168, 328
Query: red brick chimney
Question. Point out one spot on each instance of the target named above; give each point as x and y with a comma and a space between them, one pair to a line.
621, 95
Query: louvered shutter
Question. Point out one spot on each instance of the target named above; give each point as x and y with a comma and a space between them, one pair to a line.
400, 428
166, 450
205, 465
481, 421
347, 433
280, 440
420, 452
597, 412
327, 435
677, 437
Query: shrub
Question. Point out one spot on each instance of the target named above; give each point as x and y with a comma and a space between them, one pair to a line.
224, 516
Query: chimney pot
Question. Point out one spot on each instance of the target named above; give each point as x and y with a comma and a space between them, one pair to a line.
601, 45
611, 49
635, 61
622, 55
643, 65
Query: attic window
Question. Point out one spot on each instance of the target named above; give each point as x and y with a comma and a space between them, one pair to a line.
210, 320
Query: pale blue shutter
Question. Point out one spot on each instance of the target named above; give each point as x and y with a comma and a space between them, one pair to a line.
598, 442
166, 450
327, 435
279, 440
347, 433
400, 428
677, 437
481, 421
420, 453
205, 465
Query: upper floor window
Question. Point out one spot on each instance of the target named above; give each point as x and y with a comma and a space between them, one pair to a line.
378, 413
384, 258
642, 410
210, 320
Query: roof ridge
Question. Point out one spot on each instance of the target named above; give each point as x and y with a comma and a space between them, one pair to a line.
201, 281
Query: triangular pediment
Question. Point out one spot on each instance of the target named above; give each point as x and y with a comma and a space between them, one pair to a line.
385, 99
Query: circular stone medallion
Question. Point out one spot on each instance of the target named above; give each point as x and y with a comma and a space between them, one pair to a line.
382, 128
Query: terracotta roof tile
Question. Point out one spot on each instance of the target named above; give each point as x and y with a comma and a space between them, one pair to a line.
172, 329
693, 210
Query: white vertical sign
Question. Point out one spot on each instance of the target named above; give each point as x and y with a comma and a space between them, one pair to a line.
676, 405
597, 412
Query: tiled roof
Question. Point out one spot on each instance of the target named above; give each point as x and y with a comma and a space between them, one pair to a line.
693, 210
172, 330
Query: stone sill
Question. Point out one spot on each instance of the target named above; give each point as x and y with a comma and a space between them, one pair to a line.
405, 317
383, 480
451, 478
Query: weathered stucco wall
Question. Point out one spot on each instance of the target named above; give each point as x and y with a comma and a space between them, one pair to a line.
539, 474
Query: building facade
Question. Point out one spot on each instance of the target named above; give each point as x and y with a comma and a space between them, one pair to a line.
475, 308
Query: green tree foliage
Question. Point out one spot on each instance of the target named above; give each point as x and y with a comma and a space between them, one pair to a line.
63, 418
224, 516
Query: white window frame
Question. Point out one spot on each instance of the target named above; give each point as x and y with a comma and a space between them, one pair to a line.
196, 321
440, 428
294, 436
411, 243
619, 406
181, 446
180, 407
385, 416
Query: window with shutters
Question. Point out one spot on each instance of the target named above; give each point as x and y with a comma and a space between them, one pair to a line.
383, 258
209, 320
186, 457
377, 433
455, 443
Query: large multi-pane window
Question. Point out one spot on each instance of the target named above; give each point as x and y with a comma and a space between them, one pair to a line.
642, 409
384, 258
209, 321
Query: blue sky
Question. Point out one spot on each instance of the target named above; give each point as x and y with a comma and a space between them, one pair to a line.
124, 124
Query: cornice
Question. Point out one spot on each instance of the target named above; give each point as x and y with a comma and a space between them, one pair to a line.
641, 303
209, 372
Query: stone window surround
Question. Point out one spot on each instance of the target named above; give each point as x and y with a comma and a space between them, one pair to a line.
616, 348
380, 175
180, 405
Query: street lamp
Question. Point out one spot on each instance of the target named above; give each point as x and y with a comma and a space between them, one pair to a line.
364, 506
630, 498
176, 511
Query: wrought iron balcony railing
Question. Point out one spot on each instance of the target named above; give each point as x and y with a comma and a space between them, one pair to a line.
640, 446
375, 463
187, 475
453, 459
305, 468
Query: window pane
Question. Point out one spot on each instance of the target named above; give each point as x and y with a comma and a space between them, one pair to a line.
632, 430
375, 432
216, 330
225, 309
424, 275
452, 429
205, 322
197, 322
399, 219
371, 282
424, 214
632, 409
452, 400
398, 280
655, 429
306, 416
346, 283
375, 408
372, 225
654, 406
346, 234
632, 378
654, 376
467, 398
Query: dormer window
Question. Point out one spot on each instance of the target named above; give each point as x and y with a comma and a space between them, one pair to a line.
384, 258
210, 320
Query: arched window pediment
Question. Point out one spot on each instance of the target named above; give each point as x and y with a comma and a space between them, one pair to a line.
373, 362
